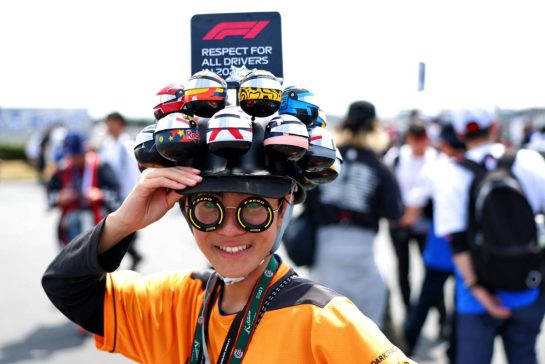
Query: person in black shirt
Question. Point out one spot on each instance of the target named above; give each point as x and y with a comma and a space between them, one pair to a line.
349, 212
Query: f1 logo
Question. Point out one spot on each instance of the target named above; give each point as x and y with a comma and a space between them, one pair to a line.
247, 29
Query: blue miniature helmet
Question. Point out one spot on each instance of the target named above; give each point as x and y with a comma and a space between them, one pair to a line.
301, 103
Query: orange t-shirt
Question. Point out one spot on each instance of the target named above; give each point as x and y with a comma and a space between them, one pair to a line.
152, 320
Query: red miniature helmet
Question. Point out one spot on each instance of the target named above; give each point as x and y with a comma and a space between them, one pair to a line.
170, 100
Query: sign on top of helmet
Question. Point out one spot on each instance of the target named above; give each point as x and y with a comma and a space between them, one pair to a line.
260, 93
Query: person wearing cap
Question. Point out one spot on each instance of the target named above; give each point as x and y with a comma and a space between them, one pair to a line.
84, 188
483, 314
436, 255
349, 212
253, 307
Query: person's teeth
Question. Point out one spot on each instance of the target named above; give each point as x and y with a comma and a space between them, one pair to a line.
234, 249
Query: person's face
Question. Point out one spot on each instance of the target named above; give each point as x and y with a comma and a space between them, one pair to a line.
418, 144
115, 127
77, 159
230, 249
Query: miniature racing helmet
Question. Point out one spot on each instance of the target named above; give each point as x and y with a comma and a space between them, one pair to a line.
249, 172
170, 100
286, 137
177, 138
322, 150
229, 132
301, 103
321, 120
260, 93
205, 94
145, 151
326, 175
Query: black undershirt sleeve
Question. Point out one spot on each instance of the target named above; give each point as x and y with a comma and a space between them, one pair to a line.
75, 281
458, 242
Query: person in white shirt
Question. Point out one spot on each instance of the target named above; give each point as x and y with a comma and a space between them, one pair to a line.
406, 162
118, 151
484, 313
437, 254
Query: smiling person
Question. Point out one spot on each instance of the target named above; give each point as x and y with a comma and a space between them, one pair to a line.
252, 307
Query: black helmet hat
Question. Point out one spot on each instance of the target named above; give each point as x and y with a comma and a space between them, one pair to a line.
232, 158
269, 157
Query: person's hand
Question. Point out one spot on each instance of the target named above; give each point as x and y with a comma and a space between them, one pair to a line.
491, 303
154, 195
94, 194
66, 196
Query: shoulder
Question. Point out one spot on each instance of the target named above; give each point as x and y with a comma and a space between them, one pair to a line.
302, 291
169, 283
529, 159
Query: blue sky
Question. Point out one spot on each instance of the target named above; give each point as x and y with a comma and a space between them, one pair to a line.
115, 55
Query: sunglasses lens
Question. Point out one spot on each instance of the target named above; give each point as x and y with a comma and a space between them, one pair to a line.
255, 214
206, 213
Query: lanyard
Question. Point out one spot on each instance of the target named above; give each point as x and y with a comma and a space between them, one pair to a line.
250, 314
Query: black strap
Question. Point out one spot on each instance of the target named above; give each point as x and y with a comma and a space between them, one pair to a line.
507, 160
474, 167
272, 292
231, 336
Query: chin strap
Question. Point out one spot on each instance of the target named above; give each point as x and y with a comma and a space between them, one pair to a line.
282, 228
228, 280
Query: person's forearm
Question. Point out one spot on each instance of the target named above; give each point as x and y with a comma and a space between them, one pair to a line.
411, 216
465, 266
75, 281
114, 231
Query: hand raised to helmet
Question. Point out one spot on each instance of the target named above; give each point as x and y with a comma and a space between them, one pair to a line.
153, 195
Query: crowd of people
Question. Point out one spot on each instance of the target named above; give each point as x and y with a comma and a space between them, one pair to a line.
427, 189
86, 180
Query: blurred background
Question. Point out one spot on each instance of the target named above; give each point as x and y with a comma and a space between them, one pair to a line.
66, 65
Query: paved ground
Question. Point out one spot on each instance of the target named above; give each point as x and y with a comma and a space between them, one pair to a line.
33, 331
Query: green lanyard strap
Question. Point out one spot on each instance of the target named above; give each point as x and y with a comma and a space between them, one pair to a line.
251, 311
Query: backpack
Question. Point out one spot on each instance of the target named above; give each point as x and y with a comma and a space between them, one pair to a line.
502, 232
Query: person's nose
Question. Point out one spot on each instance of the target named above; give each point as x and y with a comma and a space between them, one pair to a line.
230, 225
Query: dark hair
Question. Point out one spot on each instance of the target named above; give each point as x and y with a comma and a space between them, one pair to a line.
360, 117
448, 135
116, 116
417, 129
